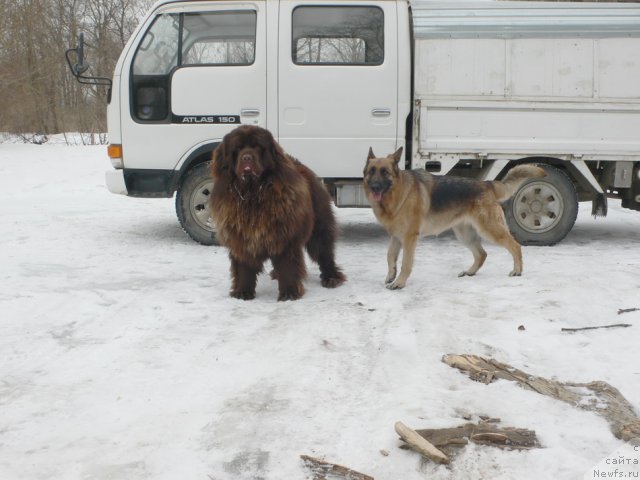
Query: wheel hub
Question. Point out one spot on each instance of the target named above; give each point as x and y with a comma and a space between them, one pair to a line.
538, 207
199, 203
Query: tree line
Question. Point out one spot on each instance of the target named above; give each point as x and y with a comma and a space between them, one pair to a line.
38, 95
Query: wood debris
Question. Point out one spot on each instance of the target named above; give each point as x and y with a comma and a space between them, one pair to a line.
599, 397
420, 444
616, 325
323, 470
485, 432
441, 443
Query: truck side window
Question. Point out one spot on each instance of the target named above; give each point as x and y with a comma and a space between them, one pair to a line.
156, 57
186, 39
330, 35
219, 38
158, 51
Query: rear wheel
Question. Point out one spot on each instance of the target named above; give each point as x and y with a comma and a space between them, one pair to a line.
543, 211
192, 205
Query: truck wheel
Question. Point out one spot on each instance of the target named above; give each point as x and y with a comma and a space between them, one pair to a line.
192, 205
543, 211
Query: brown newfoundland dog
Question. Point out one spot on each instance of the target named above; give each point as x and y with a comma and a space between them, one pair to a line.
267, 205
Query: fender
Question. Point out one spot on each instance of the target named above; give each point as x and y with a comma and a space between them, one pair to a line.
198, 155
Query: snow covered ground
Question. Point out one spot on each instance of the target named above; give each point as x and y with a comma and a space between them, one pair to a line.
123, 357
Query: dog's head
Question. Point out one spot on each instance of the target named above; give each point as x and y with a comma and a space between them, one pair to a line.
247, 153
380, 174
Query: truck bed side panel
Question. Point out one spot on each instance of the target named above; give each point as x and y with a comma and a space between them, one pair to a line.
528, 79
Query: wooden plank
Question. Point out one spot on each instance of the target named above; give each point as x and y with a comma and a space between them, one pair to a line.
420, 444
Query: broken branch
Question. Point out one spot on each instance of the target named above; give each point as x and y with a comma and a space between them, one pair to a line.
599, 397
420, 444
623, 325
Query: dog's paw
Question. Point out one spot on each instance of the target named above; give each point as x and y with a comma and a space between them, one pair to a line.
465, 274
391, 276
243, 295
293, 293
514, 273
334, 281
395, 285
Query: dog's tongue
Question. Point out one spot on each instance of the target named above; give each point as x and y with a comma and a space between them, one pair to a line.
377, 196
247, 172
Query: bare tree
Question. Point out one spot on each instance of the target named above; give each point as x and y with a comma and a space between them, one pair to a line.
37, 93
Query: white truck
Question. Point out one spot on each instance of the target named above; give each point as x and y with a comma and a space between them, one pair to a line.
469, 88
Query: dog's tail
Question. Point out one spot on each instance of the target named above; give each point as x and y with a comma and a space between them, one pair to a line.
514, 178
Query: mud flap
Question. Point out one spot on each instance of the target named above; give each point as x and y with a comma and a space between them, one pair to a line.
599, 206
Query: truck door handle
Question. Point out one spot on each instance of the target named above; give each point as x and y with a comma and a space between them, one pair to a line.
249, 112
381, 112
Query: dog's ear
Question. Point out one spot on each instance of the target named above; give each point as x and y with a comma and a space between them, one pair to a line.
219, 163
370, 155
274, 152
397, 156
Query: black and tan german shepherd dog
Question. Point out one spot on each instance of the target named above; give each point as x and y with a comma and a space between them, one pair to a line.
414, 203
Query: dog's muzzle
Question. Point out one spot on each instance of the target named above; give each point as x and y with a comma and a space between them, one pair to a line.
247, 167
377, 188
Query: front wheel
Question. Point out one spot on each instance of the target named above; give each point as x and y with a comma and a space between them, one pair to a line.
192, 205
543, 211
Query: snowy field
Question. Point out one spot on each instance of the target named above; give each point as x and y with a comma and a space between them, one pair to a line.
123, 357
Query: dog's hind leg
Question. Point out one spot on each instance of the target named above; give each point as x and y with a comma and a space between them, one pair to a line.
289, 270
321, 250
468, 236
321, 243
495, 230
392, 259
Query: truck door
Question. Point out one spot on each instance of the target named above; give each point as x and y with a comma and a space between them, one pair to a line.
197, 72
338, 83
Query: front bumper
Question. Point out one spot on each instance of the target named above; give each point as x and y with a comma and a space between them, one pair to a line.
144, 183
115, 182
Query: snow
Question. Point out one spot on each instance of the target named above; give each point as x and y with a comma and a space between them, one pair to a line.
123, 357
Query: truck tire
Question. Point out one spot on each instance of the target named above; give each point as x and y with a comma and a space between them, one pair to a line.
543, 211
192, 205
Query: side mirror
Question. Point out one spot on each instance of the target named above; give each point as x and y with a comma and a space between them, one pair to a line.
80, 67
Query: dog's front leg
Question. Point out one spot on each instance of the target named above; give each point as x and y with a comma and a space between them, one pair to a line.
392, 259
244, 278
409, 247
